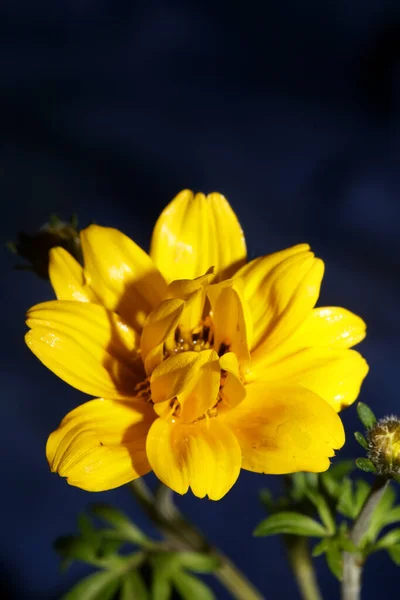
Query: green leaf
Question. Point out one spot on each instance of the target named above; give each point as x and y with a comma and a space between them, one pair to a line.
320, 548
88, 533
393, 516
128, 530
198, 562
133, 587
394, 553
290, 522
73, 547
392, 538
345, 504
191, 588
102, 585
366, 465
361, 440
366, 415
332, 479
347, 545
382, 515
166, 563
299, 486
161, 588
335, 561
323, 509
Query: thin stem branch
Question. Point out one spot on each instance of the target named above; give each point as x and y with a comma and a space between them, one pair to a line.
302, 566
182, 535
352, 562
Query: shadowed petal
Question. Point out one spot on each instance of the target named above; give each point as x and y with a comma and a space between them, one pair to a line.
284, 429
101, 444
87, 346
67, 278
121, 274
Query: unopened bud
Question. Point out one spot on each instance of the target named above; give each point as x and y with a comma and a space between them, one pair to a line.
35, 247
384, 446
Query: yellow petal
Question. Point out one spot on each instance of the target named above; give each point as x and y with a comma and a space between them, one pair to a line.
193, 292
195, 232
121, 274
233, 391
284, 429
205, 456
231, 318
87, 346
101, 444
329, 326
335, 375
173, 375
66, 277
160, 324
281, 290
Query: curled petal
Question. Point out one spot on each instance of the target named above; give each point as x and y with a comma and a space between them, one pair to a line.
233, 391
204, 456
193, 292
335, 375
281, 289
67, 278
231, 318
284, 429
101, 444
159, 326
87, 346
121, 274
195, 232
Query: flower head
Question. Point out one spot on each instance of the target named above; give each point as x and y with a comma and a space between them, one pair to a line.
384, 446
202, 364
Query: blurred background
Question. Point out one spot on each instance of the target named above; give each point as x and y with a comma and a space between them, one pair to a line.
109, 108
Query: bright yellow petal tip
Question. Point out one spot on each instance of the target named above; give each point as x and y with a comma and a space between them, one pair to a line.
195, 232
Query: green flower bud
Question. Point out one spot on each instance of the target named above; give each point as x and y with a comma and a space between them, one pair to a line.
384, 446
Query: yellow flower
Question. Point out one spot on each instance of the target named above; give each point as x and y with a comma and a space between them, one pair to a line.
202, 364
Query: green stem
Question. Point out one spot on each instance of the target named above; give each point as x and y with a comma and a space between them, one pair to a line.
352, 562
302, 566
182, 535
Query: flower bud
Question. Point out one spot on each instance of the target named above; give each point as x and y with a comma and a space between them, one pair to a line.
35, 247
384, 446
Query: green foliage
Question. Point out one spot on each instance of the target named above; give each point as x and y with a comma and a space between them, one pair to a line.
121, 573
364, 464
293, 523
361, 440
366, 415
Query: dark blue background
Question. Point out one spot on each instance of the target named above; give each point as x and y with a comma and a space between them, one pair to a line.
110, 108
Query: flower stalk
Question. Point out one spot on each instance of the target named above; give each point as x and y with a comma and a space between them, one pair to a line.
302, 566
182, 535
352, 562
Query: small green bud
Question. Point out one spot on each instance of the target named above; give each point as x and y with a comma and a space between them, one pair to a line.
384, 446
35, 247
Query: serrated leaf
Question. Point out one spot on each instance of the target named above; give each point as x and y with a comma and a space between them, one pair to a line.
133, 587
366, 465
121, 522
73, 547
335, 561
394, 553
361, 440
345, 505
292, 523
366, 415
320, 548
102, 585
198, 562
323, 509
191, 588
